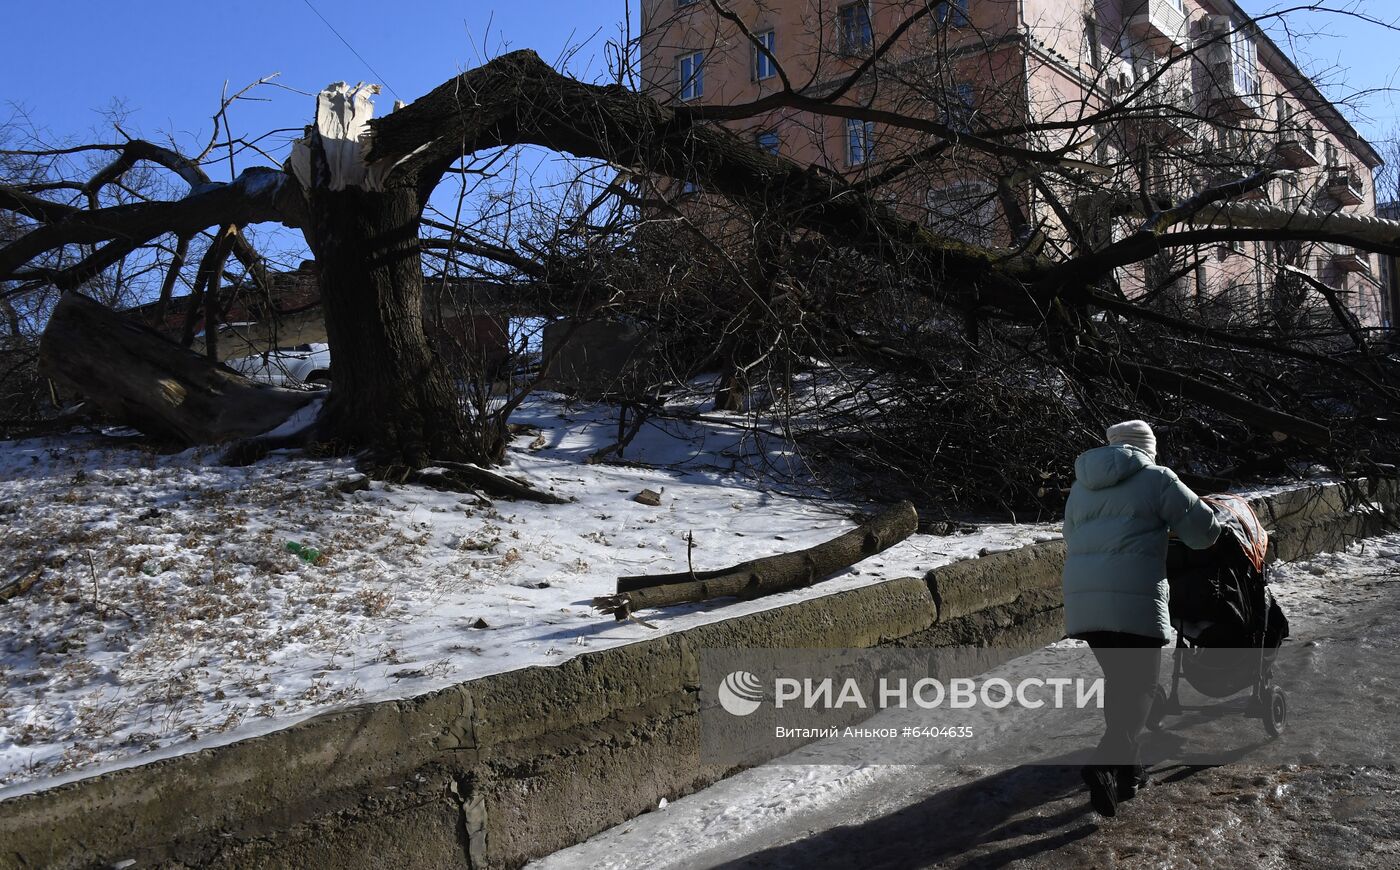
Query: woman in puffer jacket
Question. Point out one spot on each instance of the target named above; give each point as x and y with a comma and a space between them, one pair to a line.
1119, 512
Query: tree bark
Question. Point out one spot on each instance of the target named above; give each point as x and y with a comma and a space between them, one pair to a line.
148, 382
389, 395
767, 575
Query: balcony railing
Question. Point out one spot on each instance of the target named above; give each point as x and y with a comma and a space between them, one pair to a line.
1159, 22
1297, 149
1168, 110
1236, 89
1344, 186
1349, 259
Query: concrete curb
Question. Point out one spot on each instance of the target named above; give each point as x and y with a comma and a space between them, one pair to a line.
501, 769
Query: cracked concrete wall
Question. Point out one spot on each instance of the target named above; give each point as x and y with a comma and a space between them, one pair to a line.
495, 771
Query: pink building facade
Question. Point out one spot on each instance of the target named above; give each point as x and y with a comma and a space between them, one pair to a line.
1211, 98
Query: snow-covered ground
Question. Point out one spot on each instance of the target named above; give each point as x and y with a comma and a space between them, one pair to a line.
874, 815
170, 616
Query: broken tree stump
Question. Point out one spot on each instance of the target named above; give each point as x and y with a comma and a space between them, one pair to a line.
767, 575
142, 379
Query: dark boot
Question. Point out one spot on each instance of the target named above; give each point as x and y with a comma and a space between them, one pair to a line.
1132, 778
1102, 781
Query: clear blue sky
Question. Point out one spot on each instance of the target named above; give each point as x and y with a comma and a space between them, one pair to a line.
167, 61
1352, 60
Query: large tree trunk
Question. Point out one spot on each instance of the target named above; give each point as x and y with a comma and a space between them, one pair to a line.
142, 379
390, 396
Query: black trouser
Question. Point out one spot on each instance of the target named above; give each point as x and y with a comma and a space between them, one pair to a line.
1130, 663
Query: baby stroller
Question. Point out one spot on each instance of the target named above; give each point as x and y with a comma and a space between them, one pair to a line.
1228, 625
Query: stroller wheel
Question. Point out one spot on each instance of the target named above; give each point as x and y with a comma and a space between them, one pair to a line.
1158, 710
1275, 710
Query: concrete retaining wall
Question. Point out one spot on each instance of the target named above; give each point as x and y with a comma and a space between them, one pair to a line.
495, 771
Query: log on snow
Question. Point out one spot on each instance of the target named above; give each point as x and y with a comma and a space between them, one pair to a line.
767, 575
461, 477
144, 380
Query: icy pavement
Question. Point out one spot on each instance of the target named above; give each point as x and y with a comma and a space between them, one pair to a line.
170, 616
871, 816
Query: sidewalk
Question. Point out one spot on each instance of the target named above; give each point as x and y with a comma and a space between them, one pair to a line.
809, 817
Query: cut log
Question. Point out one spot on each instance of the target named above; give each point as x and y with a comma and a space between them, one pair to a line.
143, 380
461, 477
767, 575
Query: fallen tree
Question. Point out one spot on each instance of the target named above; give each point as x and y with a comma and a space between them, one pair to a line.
358, 189
140, 378
765, 576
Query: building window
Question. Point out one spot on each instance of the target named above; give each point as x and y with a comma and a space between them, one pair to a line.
689, 188
764, 65
860, 141
1245, 55
1092, 51
958, 110
854, 22
768, 141
692, 75
1292, 194
964, 211
952, 13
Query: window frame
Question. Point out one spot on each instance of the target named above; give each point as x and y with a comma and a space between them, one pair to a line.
846, 29
762, 62
961, 109
692, 86
953, 13
860, 136
1244, 63
974, 199
1093, 47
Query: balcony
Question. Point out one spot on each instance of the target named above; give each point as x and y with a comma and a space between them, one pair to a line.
1232, 62
1349, 259
1168, 113
1297, 149
1235, 89
1345, 187
1159, 23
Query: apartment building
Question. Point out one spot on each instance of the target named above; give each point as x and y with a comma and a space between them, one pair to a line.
1207, 97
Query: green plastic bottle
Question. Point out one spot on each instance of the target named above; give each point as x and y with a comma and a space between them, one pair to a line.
310, 554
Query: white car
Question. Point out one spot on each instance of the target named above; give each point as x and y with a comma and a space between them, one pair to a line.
303, 365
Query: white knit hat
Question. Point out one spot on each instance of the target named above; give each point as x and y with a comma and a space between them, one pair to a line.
1134, 433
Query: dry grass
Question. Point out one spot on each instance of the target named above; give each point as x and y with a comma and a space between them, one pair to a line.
168, 608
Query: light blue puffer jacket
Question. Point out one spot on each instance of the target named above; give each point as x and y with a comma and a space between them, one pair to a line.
1116, 523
